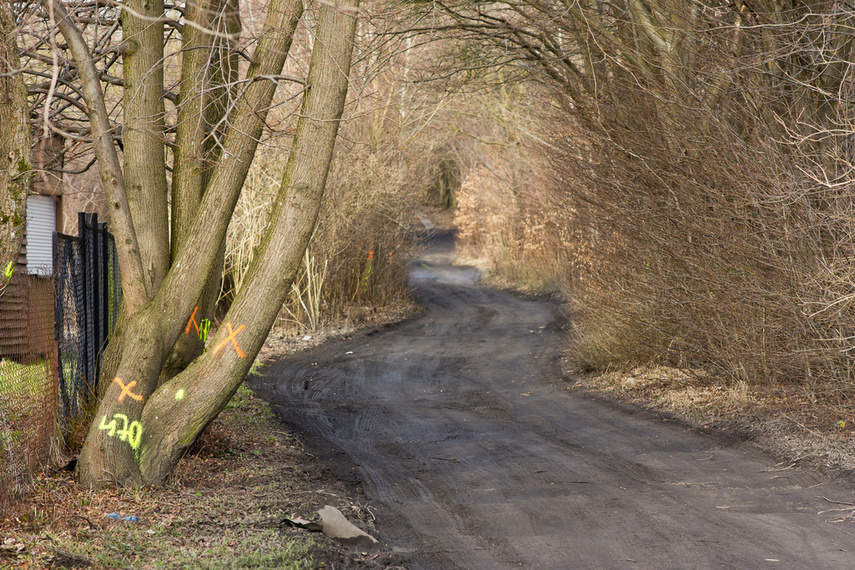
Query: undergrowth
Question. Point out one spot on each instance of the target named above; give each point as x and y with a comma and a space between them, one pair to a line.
221, 509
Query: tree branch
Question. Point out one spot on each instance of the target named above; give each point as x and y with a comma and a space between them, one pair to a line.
133, 282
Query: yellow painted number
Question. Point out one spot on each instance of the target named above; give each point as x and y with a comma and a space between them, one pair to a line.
111, 426
130, 432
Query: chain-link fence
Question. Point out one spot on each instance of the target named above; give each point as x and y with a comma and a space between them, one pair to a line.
88, 294
28, 393
52, 334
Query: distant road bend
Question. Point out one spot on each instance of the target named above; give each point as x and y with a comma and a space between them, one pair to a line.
473, 454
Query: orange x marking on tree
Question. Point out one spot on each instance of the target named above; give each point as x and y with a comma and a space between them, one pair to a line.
126, 390
192, 321
232, 337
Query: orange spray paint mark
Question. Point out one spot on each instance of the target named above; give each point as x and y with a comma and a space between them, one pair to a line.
192, 321
126, 390
232, 337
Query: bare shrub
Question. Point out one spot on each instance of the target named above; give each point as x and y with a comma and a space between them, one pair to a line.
716, 236
504, 217
699, 183
361, 240
502, 223
365, 230
682, 264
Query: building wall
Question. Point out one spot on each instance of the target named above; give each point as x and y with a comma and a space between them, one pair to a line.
26, 304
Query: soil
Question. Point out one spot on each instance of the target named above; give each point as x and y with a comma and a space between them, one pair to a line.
466, 437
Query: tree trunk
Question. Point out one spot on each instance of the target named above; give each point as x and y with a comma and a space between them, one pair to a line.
209, 70
178, 411
14, 147
209, 73
143, 136
111, 451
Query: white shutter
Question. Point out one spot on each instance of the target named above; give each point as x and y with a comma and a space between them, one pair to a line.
41, 223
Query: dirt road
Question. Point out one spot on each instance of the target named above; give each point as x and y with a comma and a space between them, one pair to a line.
473, 454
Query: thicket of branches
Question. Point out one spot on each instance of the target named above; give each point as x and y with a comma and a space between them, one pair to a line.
383, 167
381, 170
503, 221
699, 167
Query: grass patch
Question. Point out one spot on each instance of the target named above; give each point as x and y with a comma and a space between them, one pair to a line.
126, 545
22, 381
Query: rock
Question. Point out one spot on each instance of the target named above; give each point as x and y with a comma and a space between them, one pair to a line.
335, 525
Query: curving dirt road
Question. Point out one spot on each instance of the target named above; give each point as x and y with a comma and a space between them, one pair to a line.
473, 454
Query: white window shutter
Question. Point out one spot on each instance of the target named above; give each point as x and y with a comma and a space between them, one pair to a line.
41, 223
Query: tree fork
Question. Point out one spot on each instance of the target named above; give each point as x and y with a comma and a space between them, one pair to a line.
152, 332
178, 411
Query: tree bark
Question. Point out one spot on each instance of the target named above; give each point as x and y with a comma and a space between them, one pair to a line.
107, 454
178, 411
209, 73
14, 147
144, 137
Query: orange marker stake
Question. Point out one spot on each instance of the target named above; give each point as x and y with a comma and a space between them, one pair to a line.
126, 390
231, 337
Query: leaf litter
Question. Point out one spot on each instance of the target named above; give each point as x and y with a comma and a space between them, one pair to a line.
223, 507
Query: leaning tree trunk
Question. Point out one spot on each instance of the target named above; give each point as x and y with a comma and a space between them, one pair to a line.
140, 433
178, 412
14, 146
134, 294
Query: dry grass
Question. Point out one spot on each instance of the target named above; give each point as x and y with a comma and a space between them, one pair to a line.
785, 419
221, 509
